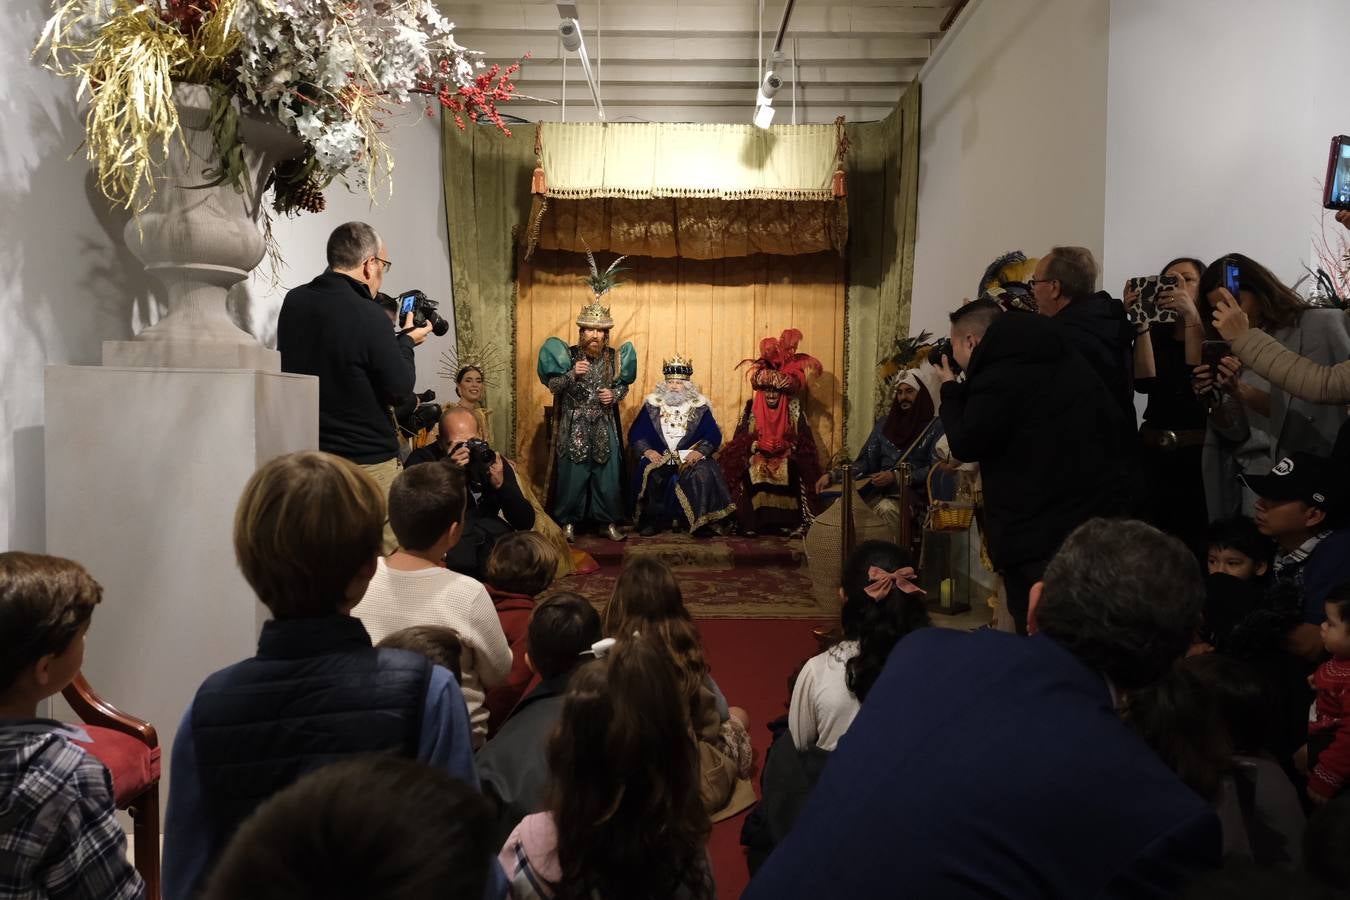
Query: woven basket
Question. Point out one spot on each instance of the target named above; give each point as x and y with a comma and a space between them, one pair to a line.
946, 515
825, 546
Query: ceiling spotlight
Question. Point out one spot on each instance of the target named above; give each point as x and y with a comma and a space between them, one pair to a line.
764, 115
769, 86
570, 32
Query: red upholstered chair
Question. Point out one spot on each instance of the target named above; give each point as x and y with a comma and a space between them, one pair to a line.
129, 747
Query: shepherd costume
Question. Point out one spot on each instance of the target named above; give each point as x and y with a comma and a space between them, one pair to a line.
672, 488
587, 455
902, 436
771, 465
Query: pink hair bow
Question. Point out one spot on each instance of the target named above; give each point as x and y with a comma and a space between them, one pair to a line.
881, 582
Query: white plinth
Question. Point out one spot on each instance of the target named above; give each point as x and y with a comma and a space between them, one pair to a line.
144, 468
177, 354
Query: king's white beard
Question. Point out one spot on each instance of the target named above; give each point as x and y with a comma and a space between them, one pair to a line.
666, 397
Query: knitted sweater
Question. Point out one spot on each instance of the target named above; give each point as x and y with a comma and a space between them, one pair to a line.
434, 596
1299, 376
1331, 716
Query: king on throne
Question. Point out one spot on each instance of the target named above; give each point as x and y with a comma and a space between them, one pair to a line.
673, 439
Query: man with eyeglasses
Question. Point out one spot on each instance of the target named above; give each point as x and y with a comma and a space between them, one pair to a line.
332, 328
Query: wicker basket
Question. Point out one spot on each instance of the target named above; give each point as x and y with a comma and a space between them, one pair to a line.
947, 514
825, 546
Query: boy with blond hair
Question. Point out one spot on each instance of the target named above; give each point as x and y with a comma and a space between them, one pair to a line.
59, 835
307, 534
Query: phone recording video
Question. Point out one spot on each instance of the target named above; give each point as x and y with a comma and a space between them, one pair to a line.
1145, 307
1231, 279
1336, 187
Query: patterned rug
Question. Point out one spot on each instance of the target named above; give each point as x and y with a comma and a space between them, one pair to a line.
721, 577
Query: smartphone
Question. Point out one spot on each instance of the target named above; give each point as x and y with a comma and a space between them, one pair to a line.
1336, 187
1169, 280
1213, 351
405, 306
1231, 281
1146, 308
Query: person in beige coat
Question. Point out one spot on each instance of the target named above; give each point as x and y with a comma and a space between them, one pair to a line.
1298, 375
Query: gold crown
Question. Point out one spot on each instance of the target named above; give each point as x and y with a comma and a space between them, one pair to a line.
678, 367
594, 315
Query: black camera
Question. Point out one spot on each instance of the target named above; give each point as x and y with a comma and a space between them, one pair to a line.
481, 457
424, 415
944, 348
423, 310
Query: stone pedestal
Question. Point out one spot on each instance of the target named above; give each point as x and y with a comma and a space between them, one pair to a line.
144, 468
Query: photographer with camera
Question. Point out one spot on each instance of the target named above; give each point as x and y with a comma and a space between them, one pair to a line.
330, 328
495, 507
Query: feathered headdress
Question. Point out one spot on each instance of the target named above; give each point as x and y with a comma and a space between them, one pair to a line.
1005, 281
909, 353
602, 283
779, 366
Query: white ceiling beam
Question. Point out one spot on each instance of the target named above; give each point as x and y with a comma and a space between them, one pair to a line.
697, 72
714, 50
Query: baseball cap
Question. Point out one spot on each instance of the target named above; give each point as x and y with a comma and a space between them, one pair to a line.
1299, 476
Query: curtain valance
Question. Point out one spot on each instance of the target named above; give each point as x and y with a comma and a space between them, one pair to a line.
678, 159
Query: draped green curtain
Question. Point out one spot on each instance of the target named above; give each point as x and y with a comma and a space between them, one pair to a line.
486, 178
883, 175
487, 183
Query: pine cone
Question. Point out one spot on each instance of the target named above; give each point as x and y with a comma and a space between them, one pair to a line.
306, 196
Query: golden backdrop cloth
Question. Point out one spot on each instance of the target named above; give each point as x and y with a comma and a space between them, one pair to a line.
715, 311
679, 159
692, 227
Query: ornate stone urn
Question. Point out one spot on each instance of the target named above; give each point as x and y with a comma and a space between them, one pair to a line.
199, 242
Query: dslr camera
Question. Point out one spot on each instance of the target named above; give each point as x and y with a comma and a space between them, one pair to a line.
423, 310
944, 348
481, 456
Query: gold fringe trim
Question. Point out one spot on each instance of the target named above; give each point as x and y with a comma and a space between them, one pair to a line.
817, 194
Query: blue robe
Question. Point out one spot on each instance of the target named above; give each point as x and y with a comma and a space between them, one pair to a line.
698, 495
878, 454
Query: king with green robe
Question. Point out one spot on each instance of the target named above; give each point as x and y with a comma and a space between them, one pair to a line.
587, 380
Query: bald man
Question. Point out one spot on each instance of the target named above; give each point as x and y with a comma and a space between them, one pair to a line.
495, 506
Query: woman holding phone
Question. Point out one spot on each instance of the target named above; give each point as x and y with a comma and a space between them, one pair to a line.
1172, 434
1301, 376
1248, 404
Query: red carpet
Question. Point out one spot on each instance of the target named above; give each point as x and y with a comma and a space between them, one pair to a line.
751, 660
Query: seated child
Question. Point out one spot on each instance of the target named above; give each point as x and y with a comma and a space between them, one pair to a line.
1329, 731
624, 816
1238, 548
513, 764
647, 600
437, 643
59, 835
520, 567
881, 604
307, 535
412, 586
372, 826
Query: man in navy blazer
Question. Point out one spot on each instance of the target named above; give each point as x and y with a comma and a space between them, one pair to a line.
989, 765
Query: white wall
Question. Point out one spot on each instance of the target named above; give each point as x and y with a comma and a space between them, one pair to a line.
1221, 143
69, 283
1012, 150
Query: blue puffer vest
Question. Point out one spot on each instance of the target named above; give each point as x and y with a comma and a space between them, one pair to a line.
316, 692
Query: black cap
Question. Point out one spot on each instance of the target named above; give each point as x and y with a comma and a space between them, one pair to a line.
1299, 476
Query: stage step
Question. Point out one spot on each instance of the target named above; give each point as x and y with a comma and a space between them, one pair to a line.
680, 551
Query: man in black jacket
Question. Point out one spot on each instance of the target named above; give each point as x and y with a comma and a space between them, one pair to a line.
1094, 322
495, 506
1045, 432
332, 328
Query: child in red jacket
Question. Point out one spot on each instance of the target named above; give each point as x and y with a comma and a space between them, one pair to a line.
1329, 731
520, 568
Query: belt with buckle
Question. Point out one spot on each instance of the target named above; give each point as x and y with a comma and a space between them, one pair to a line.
1166, 439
